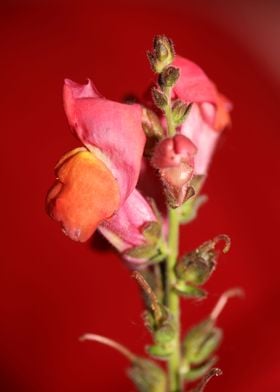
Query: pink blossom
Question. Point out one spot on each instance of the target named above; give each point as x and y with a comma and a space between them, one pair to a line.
209, 114
174, 158
94, 183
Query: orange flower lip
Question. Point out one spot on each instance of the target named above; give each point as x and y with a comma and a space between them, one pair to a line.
85, 194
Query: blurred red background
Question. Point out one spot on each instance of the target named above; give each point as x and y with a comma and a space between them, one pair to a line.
53, 290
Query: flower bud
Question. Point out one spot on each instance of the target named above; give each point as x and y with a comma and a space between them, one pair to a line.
159, 98
147, 376
201, 342
173, 157
151, 124
163, 53
169, 77
197, 266
180, 110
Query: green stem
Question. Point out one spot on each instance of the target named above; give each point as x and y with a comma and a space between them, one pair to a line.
173, 301
168, 113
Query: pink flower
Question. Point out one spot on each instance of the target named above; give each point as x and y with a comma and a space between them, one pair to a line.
174, 158
96, 184
209, 114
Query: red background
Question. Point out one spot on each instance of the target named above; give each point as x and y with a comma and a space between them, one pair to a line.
53, 290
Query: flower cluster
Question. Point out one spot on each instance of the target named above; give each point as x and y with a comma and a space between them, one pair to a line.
95, 184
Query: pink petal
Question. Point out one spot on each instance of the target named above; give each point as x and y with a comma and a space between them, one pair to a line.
123, 230
193, 84
113, 128
203, 136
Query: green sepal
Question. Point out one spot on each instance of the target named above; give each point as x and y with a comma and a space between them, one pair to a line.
165, 333
201, 342
152, 232
147, 376
189, 291
180, 111
153, 250
142, 252
189, 210
159, 98
168, 77
195, 374
193, 269
163, 53
161, 351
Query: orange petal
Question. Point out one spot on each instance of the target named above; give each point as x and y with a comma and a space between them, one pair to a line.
85, 194
223, 119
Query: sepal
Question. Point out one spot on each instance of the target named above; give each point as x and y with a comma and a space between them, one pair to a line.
147, 376
197, 266
196, 373
189, 291
159, 98
153, 249
163, 332
201, 342
153, 130
168, 77
163, 53
180, 111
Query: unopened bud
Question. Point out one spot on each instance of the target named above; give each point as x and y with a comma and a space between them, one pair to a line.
151, 124
174, 158
163, 53
180, 111
201, 342
169, 77
161, 351
147, 376
159, 98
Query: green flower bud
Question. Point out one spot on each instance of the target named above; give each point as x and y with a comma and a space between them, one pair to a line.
159, 98
180, 110
153, 130
147, 376
165, 333
163, 53
169, 77
161, 351
201, 342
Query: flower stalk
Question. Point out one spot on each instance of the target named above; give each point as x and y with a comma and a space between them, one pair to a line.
173, 300
95, 188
